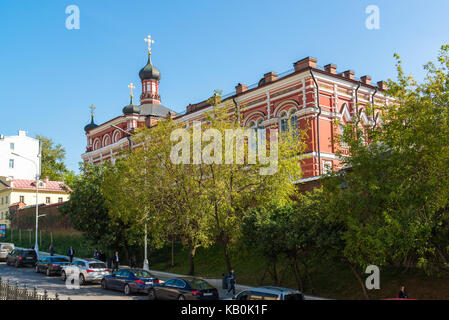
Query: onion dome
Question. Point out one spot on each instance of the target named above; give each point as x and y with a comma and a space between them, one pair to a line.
90, 126
150, 72
131, 108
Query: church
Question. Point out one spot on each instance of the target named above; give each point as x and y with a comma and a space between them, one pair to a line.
307, 97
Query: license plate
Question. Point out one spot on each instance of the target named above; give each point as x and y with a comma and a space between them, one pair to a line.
28, 258
208, 293
149, 282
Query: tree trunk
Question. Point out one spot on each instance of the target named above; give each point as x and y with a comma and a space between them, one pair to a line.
226, 254
297, 274
172, 253
359, 279
191, 257
275, 273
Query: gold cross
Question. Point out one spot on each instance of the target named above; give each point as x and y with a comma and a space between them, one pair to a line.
92, 108
131, 87
149, 41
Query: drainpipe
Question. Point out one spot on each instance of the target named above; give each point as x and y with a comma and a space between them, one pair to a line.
372, 101
238, 109
317, 121
357, 105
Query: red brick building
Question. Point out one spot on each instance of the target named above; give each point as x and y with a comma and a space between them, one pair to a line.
307, 96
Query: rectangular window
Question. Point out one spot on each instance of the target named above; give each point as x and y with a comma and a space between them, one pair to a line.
60, 200
22, 199
11, 146
47, 200
11, 163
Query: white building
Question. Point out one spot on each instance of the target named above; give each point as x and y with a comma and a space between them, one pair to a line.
16, 167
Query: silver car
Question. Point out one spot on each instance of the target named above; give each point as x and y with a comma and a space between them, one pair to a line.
5, 248
87, 270
268, 293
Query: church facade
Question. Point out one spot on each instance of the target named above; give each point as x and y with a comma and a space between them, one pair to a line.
306, 97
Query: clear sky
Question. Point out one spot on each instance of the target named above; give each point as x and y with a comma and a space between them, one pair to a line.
50, 75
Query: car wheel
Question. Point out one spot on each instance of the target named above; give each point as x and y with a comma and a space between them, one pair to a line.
181, 297
16, 264
151, 294
104, 285
37, 269
127, 290
48, 273
63, 276
82, 280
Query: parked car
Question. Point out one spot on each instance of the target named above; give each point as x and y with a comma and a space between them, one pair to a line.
88, 270
5, 248
51, 265
21, 257
185, 288
268, 293
129, 281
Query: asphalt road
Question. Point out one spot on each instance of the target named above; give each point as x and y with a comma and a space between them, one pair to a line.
28, 276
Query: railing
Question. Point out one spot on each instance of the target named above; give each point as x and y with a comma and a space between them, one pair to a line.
10, 291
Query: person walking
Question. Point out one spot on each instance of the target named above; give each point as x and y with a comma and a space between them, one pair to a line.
132, 261
71, 254
402, 293
51, 249
102, 256
231, 278
96, 254
115, 261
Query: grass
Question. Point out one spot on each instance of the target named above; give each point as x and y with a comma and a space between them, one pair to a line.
62, 240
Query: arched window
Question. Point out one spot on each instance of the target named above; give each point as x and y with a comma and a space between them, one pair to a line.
283, 121
116, 136
97, 144
294, 122
106, 140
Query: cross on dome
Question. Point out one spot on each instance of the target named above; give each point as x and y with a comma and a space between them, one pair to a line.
92, 108
150, 42
131, 87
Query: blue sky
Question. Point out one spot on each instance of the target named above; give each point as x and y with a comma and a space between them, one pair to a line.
50, 75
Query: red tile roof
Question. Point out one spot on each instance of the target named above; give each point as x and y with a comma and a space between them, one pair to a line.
50, 186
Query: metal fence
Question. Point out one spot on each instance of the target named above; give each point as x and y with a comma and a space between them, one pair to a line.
10, 291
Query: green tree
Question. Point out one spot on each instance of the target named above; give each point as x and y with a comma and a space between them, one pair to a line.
52, 161
393, 199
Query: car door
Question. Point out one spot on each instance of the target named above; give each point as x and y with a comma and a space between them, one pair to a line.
122, 279
114, 279
162, 291
176, 289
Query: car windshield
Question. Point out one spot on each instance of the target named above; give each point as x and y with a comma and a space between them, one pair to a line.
199, 284
29, 253
59, 259
293, 296
6, 247
97, 265
142, 274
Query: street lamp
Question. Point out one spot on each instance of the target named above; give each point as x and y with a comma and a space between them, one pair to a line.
36, 245
145, 260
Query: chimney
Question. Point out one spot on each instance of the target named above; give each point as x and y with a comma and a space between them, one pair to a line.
382, 85
304, 63
239, 88
270, 77
331, 68
366, 79
349, 74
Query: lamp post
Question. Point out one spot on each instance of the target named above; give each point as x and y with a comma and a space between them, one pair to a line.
37, 165
145, 260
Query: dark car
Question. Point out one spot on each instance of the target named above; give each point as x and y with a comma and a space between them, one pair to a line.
129, 281
269, 293
51, 265
184, 288
21, 257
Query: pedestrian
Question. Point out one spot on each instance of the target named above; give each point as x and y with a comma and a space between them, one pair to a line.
96, 254
115, 261
102, 256
231, 278
51, 249
71, 253
402, 293
132, 261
